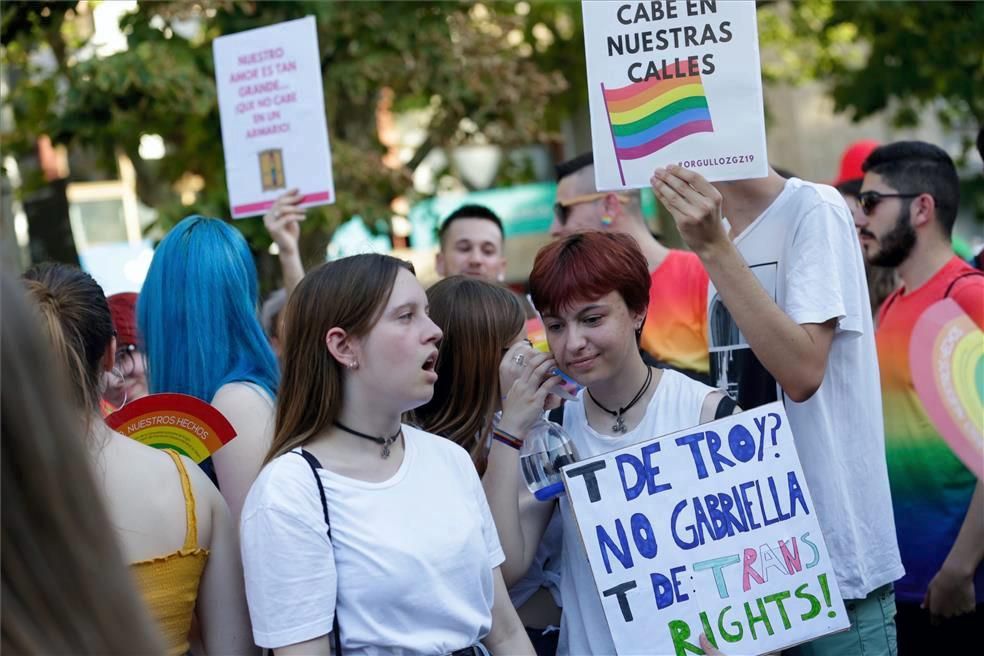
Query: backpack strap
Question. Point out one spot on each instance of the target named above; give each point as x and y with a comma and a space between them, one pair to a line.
963, 275
557, 415
315, 466
726, 406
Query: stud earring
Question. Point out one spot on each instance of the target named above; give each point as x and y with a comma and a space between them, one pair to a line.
354, 364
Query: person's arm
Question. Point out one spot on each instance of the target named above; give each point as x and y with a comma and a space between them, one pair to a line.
795, 354
951, 592
283, 222
519, 518
221, 606
317, 647
238, 462
507, 635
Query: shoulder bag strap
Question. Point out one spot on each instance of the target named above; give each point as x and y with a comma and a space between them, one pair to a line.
315, 465
726, 406
959, 278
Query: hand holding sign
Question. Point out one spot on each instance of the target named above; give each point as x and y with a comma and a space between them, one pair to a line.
283, 221
694, 204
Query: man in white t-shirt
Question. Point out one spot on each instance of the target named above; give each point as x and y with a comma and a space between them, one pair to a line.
789, 319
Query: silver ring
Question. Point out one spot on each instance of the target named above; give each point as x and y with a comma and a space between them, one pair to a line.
519, 359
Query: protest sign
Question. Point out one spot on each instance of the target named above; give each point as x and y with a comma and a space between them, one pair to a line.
946, 355
709, 530
179, 422
272, 108
674, 82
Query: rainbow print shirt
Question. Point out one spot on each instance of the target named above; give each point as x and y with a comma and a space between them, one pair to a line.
675, 331
931, 487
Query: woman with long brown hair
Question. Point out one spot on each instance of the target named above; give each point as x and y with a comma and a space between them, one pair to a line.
359, 526
484, 326
480, 321
172, 524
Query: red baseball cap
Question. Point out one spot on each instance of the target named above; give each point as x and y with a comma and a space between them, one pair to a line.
123, 307
852, 159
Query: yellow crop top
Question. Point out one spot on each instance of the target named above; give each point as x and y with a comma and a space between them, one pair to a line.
169, 584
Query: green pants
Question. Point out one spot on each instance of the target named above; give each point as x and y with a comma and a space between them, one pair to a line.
872, 631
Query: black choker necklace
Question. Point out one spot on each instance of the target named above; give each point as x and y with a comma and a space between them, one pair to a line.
619, 426
384, 442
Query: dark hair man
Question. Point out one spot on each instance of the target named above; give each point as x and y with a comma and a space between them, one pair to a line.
675, 329
471, 243
789, 320
909, 201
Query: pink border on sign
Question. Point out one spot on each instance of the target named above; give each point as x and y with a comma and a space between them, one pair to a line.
250, 208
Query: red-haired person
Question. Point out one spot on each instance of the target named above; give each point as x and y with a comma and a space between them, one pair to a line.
592, 289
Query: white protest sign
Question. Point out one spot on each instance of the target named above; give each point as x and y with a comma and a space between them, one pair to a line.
272, 107
709, 530
674, 82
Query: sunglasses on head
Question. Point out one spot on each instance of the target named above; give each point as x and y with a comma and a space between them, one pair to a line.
562, 208
868, 200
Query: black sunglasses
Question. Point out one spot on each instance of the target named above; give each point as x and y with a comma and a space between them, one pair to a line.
868, 200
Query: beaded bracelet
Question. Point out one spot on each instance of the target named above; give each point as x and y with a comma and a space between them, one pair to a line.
506, 438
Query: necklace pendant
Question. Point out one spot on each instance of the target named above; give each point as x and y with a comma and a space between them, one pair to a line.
619, 426
386, 451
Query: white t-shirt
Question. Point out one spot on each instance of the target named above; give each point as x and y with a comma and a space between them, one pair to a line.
675, 406
411, 558
805, 252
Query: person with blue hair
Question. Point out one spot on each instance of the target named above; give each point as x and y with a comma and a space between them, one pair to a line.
197, 315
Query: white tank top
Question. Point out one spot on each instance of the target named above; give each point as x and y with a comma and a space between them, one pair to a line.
675, 406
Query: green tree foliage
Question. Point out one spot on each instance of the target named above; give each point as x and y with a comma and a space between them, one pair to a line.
876, 55
453, 60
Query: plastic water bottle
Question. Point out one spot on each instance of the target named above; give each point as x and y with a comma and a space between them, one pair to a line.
545, 450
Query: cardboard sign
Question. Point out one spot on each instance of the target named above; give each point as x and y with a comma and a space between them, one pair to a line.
674, 82
174, 421
272, 108
709, 530
946, 354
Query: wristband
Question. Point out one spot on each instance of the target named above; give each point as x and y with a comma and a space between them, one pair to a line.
507, 439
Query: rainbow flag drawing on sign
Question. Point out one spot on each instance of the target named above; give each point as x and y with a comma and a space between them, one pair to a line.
645, 117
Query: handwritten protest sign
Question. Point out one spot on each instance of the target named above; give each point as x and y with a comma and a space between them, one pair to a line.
272, 108
709, 530
674, 82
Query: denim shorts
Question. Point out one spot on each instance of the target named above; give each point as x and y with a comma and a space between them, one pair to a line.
872, 630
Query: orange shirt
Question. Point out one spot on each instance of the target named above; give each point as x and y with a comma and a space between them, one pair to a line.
675, 331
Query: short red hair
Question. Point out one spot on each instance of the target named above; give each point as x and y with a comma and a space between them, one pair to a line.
588, 265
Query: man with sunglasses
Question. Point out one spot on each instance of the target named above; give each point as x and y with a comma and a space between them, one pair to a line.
908, 202
675, 329
790, 320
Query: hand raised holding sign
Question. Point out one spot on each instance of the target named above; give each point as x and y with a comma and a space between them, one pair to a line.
283, 222
695, 205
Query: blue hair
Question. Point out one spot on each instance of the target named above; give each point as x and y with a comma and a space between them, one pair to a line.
197, 313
